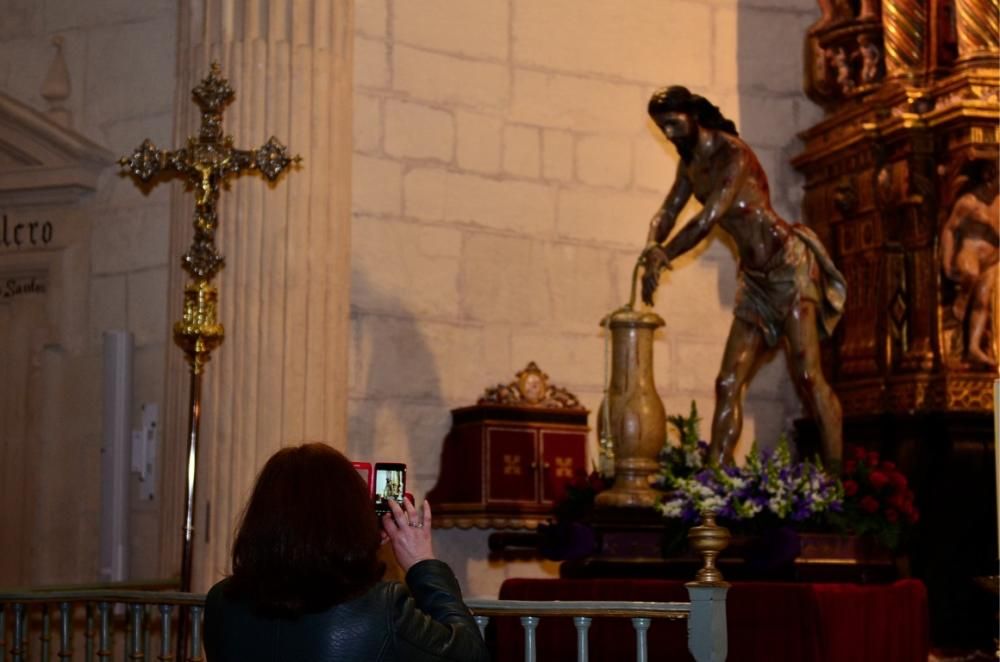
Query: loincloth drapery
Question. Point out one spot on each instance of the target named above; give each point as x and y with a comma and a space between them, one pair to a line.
801, 271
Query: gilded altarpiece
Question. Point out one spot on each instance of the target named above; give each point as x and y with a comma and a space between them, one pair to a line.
901, 184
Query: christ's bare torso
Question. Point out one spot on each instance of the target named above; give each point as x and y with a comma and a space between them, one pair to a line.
759, 233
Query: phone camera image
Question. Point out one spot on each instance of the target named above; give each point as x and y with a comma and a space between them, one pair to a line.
390, 483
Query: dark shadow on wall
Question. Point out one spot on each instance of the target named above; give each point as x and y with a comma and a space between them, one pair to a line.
397, 375
773, 105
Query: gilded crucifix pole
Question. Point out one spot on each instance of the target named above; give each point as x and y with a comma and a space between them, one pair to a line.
208, 160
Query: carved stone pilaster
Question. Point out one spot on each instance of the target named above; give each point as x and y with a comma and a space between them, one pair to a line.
281, 377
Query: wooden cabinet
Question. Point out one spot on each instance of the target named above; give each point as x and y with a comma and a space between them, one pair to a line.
530, 464
506, 464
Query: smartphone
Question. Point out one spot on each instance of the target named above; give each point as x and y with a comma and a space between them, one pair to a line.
389, 483
365, 471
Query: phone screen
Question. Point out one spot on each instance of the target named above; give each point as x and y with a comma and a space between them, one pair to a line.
390, 483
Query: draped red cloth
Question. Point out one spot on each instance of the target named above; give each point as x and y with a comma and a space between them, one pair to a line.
768, 621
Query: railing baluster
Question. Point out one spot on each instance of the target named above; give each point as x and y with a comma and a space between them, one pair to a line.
45, 638
3, 632
104, 646
482, 622
641, 625
138, 650
128, 631
529, 623
88, 634
166, 611
196, 611
65, 631
17, 650
147, 630
582, 624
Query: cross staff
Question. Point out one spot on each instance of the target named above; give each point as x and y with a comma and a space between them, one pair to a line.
205, 163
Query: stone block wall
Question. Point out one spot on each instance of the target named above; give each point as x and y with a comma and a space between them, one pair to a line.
121, 61
505, 173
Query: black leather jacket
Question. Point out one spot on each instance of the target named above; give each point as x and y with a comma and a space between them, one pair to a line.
428, 622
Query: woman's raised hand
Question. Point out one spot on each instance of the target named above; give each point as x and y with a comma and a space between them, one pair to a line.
409, 532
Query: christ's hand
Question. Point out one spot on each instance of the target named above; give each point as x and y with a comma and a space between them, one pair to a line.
654, 260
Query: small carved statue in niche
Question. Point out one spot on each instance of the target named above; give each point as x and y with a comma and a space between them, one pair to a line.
969, 256
837, 58
789, 289
871, 58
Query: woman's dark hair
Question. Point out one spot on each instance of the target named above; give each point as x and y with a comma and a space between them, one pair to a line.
309, 536
678, 99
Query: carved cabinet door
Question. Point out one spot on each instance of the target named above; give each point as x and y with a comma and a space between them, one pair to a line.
562, 454
512, 465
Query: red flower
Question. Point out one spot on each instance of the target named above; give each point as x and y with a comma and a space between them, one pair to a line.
869, 504
898, 480
891, 515
898, 502
913, 516
850, 467
850, 488
878, 479
872, 459
859, 453
888, 466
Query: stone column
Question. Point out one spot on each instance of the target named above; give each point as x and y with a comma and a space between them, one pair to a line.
280, 377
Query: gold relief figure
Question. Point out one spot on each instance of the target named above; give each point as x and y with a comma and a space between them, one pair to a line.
969, 255
789, 289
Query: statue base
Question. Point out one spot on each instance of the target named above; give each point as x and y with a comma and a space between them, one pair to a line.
628, 498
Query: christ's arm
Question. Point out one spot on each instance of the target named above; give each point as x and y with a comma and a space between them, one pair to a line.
665, 217
716, 205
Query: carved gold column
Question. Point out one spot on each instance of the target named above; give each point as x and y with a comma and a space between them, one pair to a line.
904, 24
281, 377
978, 25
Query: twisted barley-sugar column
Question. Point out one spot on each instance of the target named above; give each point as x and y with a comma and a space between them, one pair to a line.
904, 24
281, 375
978, 25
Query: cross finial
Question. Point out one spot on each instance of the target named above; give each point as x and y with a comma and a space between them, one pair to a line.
212, 95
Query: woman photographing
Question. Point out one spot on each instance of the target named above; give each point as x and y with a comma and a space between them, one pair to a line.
306, 583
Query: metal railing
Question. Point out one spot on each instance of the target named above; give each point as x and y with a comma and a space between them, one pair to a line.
706, 616
146, 619
136, 625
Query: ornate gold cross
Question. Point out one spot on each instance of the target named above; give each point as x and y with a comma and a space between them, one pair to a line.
206, 163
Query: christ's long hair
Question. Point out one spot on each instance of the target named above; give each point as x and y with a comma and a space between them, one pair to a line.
309, 537
678, 99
